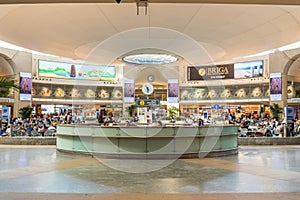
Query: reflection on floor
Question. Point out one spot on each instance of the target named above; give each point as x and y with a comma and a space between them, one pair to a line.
39, 172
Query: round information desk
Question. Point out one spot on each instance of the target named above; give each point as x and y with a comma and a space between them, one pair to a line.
148, 141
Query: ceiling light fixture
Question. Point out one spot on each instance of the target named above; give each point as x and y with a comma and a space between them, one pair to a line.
141, 3
150, 59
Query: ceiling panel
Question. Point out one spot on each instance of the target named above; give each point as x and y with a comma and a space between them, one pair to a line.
104, 32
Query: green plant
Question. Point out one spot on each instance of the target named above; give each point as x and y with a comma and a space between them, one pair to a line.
6, 83
276, 110
25, 112
131, 109
172, 111
180, 119
165, 118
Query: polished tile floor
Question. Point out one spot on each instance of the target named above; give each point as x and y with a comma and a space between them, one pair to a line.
40, 172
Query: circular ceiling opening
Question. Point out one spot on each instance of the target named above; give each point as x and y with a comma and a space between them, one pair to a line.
150, 59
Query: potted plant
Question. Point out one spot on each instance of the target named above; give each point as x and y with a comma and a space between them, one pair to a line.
172, 111
6, 84
25, 112
276, 110
180, 120
131, 109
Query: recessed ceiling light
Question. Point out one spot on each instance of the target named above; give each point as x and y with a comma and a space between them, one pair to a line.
150, 59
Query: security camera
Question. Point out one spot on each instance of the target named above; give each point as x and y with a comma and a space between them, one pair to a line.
118, 1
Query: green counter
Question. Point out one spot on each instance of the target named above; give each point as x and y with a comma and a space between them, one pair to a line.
147, 141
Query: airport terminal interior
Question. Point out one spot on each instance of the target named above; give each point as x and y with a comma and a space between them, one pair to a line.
149, 99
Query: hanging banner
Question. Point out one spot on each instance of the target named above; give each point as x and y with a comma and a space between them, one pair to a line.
25, 86
275, 87
129, 91
173, 91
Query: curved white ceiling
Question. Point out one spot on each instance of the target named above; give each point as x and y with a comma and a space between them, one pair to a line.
200, 33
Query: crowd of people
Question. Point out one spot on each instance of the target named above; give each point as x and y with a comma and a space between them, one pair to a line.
249, 125
263, 125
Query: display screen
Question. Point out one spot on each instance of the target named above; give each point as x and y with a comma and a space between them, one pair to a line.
248, 69
53, 69
275, 87
173, 91
25, 86
129, 91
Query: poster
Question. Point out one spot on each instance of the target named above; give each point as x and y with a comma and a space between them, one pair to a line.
289, 113
173, 91
25, 86
275, 87
129, 91
248, 69
6, 113
76, 71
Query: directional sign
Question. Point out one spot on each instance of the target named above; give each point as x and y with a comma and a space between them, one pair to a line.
147, 102
216, 106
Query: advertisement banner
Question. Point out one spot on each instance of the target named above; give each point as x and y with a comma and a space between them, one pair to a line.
25, 86
210, 72
53, 69
173, 91
289, 113
248, 69
275, 87
129, 91
6, 113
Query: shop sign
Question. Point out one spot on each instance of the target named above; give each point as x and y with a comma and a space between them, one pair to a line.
295, 100
4, 100
210, 72
147, 102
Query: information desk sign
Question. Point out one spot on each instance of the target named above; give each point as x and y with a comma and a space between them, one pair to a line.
147, 102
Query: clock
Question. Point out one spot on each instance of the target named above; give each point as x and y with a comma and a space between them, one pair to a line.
147, 88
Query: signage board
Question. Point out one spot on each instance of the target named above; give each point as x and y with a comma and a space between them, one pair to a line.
6, 113
147, 102
210, 72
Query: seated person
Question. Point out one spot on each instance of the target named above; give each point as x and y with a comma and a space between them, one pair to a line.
7, 132
158, 123
29, 129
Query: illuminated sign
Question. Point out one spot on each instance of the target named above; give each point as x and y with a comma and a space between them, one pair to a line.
147, 102
53, 69
210, 72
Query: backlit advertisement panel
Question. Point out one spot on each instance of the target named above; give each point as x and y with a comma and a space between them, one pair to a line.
53, 69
